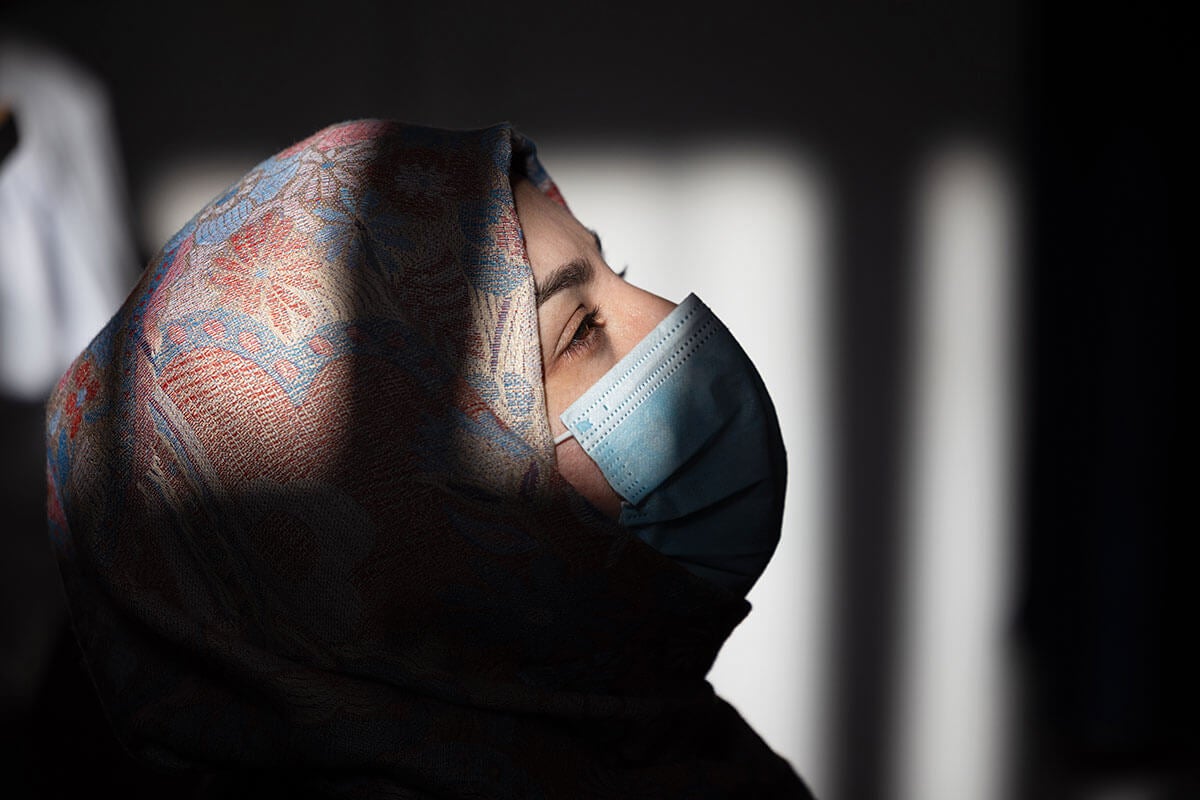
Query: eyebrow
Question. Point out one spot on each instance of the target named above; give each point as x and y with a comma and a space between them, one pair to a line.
575, 272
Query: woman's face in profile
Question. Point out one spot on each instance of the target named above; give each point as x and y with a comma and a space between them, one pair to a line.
588, 319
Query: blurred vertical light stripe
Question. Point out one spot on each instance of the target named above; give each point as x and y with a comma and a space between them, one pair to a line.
743, 225
955, 684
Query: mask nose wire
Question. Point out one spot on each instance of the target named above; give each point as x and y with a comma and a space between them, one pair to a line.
562, 437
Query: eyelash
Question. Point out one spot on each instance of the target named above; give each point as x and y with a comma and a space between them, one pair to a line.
591, 328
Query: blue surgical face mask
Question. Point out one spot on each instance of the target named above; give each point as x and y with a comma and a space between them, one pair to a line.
685, 432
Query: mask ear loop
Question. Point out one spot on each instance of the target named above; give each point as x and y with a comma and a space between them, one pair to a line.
562, 437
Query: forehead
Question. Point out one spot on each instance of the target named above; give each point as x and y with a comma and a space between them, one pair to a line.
553, 236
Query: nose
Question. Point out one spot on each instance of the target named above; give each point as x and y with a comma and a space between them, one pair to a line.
640, 311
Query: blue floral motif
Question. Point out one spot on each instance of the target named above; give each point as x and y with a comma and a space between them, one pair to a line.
276, 172
266, 181
489, 271
225, 224
518, 397
361, 230
512, 394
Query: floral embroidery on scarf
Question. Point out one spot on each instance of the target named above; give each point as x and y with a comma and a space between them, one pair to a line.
267, 269
82, 389
326, 170
360, 231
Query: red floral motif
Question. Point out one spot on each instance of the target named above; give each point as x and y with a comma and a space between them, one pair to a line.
340, 135
267, 268
351, 132
84, 385
170, 283
296, 148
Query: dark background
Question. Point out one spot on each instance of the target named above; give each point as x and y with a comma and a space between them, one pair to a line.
1086, 103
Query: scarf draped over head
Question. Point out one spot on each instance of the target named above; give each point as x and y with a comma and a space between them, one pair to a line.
303, 496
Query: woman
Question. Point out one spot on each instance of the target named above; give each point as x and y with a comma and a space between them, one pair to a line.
336, 515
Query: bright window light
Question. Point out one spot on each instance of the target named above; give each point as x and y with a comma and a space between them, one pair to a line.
954, 685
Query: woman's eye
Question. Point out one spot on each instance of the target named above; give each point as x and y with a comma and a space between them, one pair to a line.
584, 329
585, 335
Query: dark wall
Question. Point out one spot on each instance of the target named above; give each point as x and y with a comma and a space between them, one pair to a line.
1108, 611
854, 78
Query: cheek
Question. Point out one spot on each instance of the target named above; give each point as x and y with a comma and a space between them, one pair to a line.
571, 382
587, 479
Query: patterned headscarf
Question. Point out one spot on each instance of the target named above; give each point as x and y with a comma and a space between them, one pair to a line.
303, 494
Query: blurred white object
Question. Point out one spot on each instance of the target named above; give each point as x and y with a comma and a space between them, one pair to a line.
67, 258
955, 686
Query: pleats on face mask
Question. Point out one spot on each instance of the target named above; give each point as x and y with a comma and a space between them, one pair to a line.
685, 432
